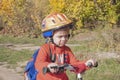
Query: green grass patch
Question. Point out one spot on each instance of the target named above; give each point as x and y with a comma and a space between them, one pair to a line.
12, 56
21, 40
108, 69
83, 47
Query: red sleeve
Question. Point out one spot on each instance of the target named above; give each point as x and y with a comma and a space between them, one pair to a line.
79, 65
42, 59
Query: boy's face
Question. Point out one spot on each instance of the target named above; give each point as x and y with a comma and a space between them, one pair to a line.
60, 37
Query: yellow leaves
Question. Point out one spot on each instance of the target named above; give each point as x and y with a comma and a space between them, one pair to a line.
112, 18
9, 23
83, 10
57, 5
36, 21
7, 11
6, 7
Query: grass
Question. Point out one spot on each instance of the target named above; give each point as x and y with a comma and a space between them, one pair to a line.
21, 40
12, 56
108, 69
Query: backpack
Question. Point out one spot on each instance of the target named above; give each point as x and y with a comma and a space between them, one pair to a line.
30, 72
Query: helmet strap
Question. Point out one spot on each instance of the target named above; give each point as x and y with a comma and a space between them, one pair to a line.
49, 39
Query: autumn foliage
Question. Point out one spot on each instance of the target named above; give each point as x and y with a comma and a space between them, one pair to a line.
23, 17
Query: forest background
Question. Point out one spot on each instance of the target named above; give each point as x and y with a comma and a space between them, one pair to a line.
24, 17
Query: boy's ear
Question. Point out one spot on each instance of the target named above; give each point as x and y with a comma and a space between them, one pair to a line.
68, 36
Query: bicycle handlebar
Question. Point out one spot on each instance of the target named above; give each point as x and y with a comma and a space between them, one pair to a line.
68, 67
60, 68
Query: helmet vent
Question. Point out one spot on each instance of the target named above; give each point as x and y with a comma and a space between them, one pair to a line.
53, 20
59, 17
65, 17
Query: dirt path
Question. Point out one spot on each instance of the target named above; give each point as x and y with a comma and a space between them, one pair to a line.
9, 74
26, 46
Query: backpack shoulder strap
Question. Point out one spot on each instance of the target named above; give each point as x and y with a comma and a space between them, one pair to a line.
31, 62
35, 54
52, 56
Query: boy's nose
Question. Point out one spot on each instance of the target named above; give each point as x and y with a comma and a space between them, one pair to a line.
64, 38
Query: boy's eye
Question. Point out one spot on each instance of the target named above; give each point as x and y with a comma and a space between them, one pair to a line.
65, 36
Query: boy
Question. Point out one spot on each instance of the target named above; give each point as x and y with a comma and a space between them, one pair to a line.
55, 28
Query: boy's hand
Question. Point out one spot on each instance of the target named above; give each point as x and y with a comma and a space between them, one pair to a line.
91, 63
79, 68
53, 67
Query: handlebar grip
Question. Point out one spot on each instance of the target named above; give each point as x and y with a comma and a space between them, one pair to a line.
96, 64
61, 68
90, 64
45, 70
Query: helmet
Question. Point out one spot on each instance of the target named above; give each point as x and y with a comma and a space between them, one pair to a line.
53, 22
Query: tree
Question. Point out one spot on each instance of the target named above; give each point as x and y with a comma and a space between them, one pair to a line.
87, 11
57, 5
